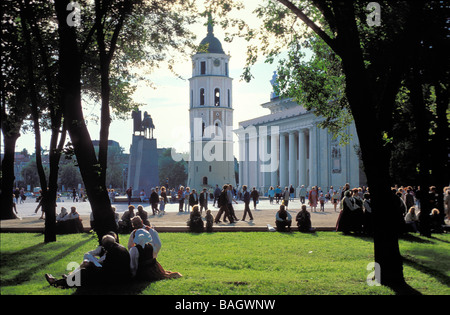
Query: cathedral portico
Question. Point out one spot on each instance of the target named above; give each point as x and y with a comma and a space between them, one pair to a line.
303, 153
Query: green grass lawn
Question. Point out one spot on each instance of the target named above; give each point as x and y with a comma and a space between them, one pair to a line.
258, 263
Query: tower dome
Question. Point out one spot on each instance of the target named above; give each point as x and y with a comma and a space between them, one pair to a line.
212, 44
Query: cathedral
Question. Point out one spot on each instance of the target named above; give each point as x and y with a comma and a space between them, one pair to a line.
211, 160
286, 147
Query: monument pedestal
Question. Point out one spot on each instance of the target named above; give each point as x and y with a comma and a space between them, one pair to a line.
143, 165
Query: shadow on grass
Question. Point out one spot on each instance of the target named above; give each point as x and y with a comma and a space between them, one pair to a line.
24, 261
410, 260
404, 289
414, 239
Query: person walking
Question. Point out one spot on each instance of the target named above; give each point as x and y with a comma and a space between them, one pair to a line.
291, 193
286, 195
154, 201
302, 194
246, 203
335, 199
193, 199
277, 194
181, 199
230, 199
74, 195
255, 196
271, 194
313, 198
203, 200
222, 202
217, 192
129, 192
187, 193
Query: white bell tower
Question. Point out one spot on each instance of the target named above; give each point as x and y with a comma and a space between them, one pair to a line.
211, 117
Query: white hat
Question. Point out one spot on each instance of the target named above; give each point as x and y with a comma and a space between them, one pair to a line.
142, 237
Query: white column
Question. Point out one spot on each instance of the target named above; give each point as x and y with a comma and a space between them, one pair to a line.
313, 156
246, 166
274, 144
302, 157
241, 161
253, 161
292, 160
283, 161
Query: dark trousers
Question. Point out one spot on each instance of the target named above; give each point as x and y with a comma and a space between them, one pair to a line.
204, 205
225, 210
181, 205
284, 225
154, 208
247, 210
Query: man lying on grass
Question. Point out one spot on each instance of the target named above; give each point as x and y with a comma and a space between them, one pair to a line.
112, 267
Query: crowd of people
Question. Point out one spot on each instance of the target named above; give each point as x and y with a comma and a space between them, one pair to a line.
356, 211
353, 205
113, 263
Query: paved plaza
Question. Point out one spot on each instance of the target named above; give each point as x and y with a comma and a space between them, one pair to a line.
263, 215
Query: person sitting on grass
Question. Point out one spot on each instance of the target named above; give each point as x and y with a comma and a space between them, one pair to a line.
139, 224
125, 221
195, 221
143, 214
436, 221
113, 269
68, 223
209, 221
143, 264
283, 220
411, 220
303, 219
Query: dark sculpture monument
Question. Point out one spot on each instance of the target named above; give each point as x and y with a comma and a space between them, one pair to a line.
145, 125
143, 161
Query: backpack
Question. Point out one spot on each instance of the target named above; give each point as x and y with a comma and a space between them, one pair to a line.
223, 200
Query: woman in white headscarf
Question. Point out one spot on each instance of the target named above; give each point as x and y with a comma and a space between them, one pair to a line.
143, 262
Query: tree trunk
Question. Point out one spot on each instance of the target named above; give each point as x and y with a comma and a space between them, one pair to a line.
386, 213
441, 142
365, 105
70, 89
7, 186
422, 127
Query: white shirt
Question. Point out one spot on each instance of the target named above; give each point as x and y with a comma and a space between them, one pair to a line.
134, 260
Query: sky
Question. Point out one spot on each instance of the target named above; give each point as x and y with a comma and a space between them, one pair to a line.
168, 102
